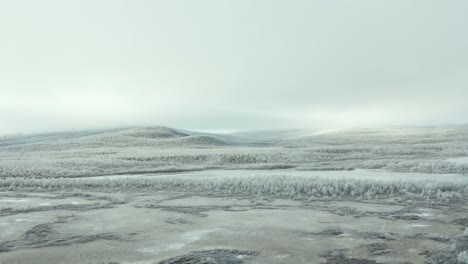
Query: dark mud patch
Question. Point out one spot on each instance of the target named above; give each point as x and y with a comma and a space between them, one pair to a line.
215, 256
345, 210
72, 207
451, 254
405, 216
176, 196
177, 221
191, 210
201, 210
330, 232
382, 235
378, 249
87, 196
65, 219
44, 235
440, 239
339, 257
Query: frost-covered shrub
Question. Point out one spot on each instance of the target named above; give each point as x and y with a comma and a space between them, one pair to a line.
157, 149
295, 187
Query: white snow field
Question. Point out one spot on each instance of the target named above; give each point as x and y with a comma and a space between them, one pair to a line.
168, 196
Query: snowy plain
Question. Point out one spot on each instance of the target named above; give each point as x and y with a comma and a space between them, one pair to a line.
162, 195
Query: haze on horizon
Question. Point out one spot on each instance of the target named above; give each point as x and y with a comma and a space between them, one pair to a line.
232, 65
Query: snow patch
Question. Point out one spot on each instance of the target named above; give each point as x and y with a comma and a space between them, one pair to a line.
419, 225
15, 200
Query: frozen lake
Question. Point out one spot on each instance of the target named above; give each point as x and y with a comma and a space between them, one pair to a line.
149, 227
152, 226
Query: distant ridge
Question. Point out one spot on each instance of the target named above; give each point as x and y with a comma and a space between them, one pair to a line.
153, 132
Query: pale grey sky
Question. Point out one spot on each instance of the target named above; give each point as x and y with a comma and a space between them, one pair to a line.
231, 65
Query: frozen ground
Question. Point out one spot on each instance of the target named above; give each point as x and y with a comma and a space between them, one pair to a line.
158, 195
152, 226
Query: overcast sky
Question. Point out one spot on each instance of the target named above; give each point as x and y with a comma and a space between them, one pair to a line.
232, 65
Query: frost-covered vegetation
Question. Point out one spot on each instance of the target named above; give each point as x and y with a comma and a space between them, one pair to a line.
351, 196
160, 149
296, 187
